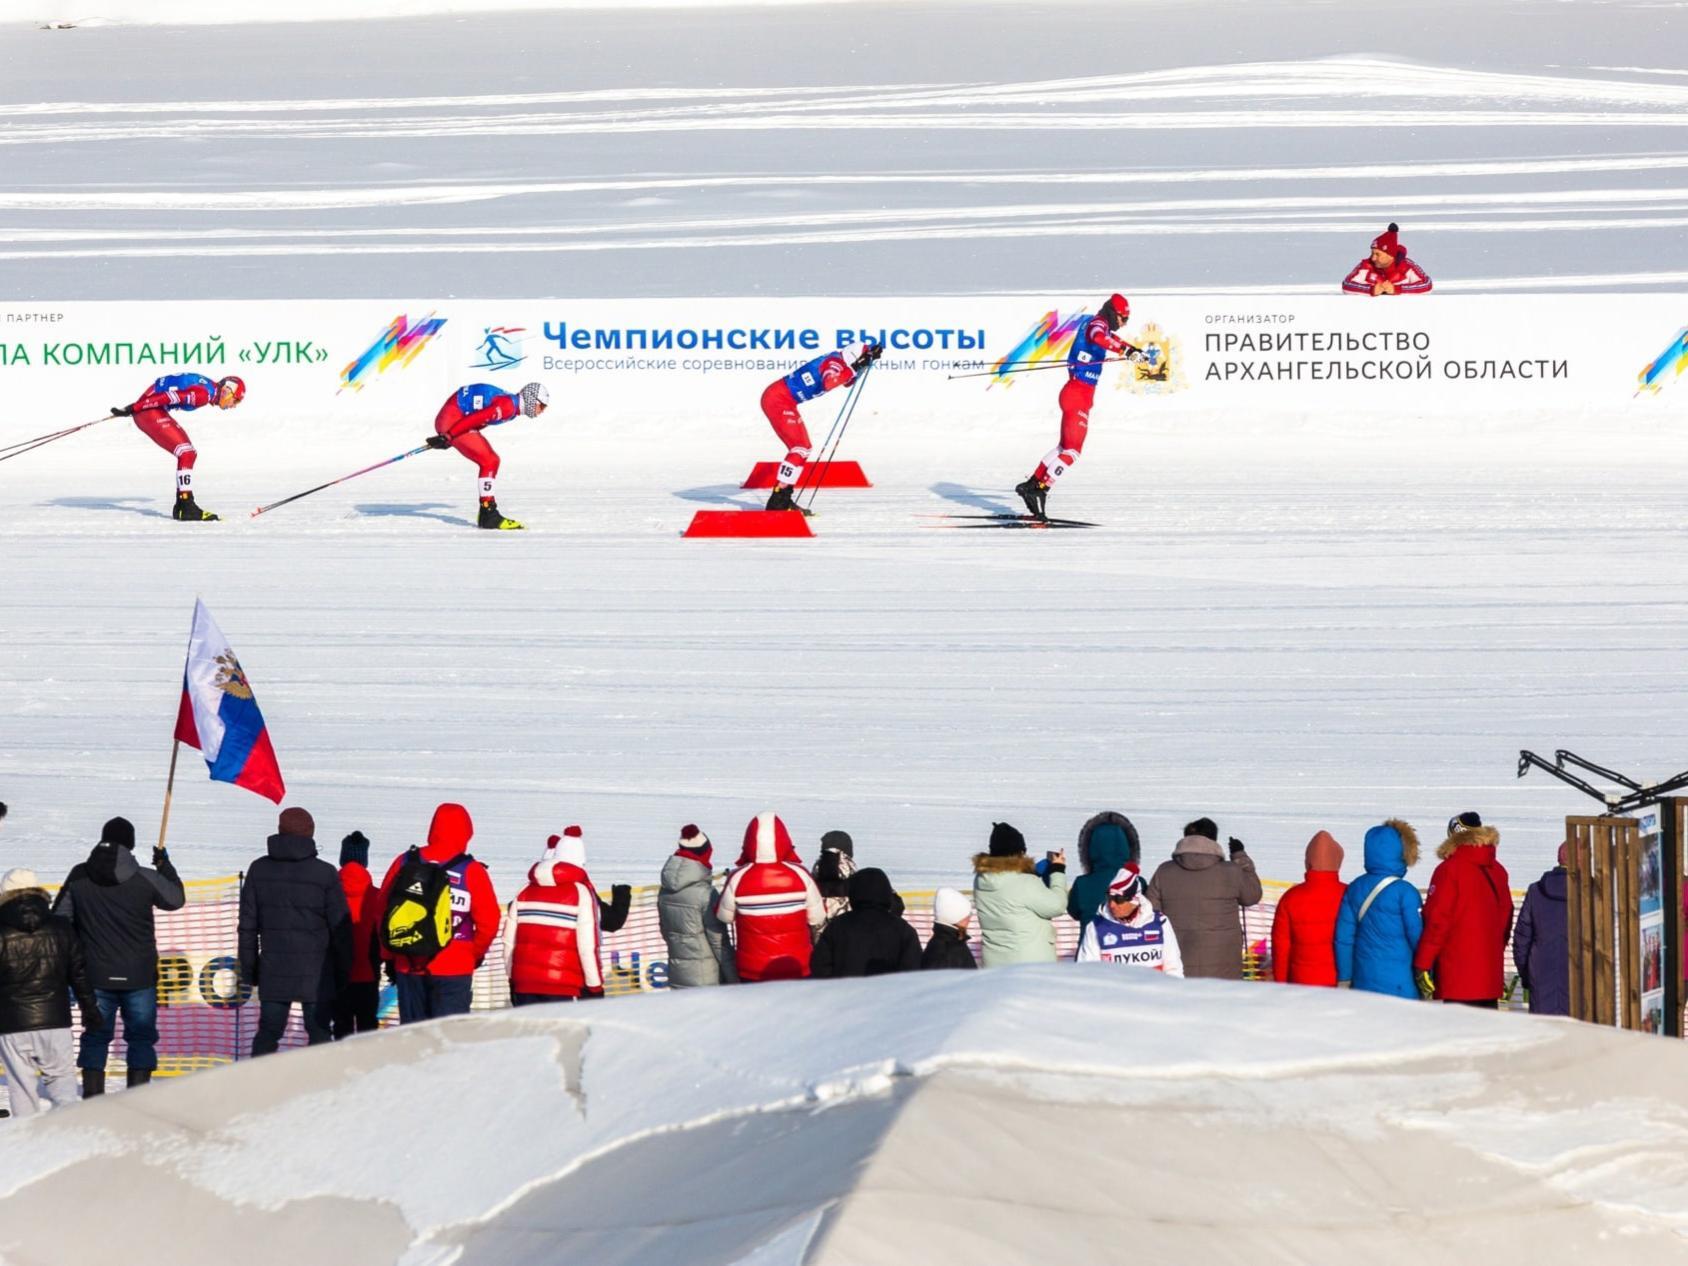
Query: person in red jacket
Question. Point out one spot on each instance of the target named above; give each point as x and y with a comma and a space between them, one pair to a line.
551, 932
1304, 928
1387, 270
772, 905
354, 1007
443, 984
1467, 919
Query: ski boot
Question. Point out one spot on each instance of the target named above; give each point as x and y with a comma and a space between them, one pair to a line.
187, 510
782, 500
494, 520
1035, 494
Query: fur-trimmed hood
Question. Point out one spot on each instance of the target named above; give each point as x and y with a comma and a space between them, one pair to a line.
1468, 837
1019, 864
1110, 849
1391, 848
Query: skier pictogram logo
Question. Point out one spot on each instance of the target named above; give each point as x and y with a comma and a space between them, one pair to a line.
500, 347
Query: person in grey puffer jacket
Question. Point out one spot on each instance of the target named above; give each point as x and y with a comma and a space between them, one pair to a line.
698, 950
1203, 894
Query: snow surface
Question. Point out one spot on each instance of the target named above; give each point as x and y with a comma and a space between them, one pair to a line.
849, 149
868, 1121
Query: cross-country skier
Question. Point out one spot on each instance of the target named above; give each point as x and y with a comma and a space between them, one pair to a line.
780, 401
463, 417
1387, 270
1092, 344
151, 413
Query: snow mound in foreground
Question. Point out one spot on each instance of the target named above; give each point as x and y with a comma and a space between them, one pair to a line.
1018, 1115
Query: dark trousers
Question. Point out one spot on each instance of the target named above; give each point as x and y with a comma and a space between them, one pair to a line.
139, 1008
1493, 1004
431, 997
535, 999
353, 1009
272, 1023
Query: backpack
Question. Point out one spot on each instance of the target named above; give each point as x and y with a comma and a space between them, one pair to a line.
417, 920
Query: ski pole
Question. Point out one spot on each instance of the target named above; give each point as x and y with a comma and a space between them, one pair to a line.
841, 425
1031, 369
420, 448
24, 446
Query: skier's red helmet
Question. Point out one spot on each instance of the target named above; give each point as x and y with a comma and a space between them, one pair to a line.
230, 391
1117, 310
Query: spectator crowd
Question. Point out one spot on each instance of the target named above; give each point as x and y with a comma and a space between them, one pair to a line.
320, 937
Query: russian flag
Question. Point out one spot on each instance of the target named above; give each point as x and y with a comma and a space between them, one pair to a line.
220, 717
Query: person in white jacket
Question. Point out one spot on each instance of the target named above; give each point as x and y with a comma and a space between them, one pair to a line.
1127, 929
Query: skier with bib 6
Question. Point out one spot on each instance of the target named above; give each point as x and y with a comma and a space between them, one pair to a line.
1095, 341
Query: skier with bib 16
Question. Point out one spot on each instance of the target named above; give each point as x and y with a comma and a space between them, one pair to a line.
459, 424
779, 405
151, 414
1092, 344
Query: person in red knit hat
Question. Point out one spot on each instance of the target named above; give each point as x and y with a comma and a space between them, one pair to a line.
443, 984
1387, 270
1304, 928
772, 905
551, 931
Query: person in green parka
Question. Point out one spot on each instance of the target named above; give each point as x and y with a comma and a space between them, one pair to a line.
1015, 904
1105, 844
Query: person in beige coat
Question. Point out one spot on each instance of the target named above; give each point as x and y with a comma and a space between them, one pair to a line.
1204, 894
1016, 907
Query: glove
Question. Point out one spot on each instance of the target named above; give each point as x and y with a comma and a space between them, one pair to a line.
163, 865
1235, 845
92, 1020
1426, 984
438, 441
870, 352
122, 410
1136, 355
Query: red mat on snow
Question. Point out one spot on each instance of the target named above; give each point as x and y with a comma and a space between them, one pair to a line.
748, 524
815, 475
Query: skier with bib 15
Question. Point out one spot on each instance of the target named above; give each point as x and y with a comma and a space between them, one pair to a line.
779, 405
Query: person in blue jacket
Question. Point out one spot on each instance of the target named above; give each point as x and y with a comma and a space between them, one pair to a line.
1378, 926
1540, 944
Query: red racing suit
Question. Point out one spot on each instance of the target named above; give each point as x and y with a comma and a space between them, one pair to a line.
463, 417
783, 395
151, 415
1093, 342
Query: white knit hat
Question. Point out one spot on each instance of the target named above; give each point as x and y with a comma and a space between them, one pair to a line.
949, 907
19, 878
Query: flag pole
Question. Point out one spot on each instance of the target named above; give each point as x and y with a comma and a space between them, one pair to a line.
169, 790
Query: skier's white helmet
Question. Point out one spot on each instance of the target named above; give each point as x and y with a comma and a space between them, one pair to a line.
535, 399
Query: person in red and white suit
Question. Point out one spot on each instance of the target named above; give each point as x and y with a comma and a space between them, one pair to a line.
772, 905
1387, 270
551, 933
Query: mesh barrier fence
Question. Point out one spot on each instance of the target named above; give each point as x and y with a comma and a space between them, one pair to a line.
206, 1018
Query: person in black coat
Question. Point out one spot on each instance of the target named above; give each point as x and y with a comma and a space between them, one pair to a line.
947, 947
111, 899
1541, 944
295, 929
41, 965
868, 939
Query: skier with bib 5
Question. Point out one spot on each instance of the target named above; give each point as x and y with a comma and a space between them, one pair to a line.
459, 424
